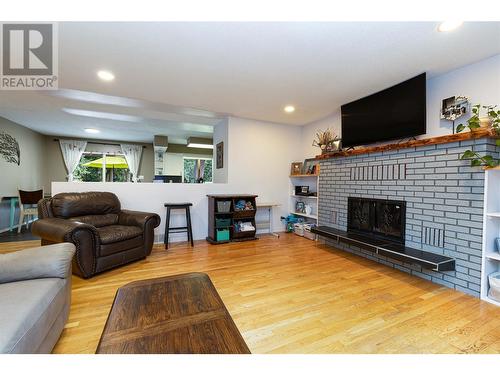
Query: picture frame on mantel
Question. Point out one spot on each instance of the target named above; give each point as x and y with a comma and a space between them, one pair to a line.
219, 155
310, 166
296, 168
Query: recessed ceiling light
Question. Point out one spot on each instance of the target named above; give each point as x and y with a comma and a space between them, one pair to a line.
105, 75
92, 131
289, 109
449, 25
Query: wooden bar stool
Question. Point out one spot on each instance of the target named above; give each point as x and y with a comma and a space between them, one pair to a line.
187, 228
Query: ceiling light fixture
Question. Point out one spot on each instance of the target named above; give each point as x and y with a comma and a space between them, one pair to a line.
196, 142
105, 75
449, 25
289, 109
92, 131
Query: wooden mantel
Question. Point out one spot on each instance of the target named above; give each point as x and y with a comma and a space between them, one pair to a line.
479, 133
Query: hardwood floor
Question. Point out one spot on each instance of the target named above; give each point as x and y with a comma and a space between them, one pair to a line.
292, 295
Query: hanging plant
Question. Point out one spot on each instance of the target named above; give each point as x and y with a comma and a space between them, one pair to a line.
492, 121
9, 149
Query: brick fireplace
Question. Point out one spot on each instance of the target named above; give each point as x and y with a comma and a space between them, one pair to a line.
443, 196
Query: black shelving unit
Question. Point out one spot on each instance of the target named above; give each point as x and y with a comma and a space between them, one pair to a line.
223, 215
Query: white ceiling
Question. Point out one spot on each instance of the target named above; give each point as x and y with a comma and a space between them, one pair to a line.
187, 76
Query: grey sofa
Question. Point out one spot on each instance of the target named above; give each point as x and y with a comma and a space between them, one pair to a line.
35, 295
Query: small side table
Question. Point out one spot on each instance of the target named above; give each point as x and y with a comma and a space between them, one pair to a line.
178, 206
269, 207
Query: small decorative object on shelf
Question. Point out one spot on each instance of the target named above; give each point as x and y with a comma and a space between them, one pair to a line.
302, 190
307, 209
300, 207
491, 120
296, 168
453, 108
327, 141
311, 166
497, 242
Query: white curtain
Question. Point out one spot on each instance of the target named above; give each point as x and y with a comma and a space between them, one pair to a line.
132, 154
72, 152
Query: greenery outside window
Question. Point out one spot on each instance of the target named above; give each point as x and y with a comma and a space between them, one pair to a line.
197, 170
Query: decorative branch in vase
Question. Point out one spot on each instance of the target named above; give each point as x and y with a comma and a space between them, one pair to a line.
327, 141
491, 120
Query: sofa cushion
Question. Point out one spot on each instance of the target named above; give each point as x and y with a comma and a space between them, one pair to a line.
116, 247
67, 205
97, 220
29, 310
52, 261
118, 233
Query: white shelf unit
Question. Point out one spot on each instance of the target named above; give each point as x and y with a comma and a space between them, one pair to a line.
305, 180
491, 230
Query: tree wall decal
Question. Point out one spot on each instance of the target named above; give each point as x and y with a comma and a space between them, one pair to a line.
9, 148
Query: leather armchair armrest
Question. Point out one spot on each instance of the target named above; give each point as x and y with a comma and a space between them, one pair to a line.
138, 219
83, 236
59, 230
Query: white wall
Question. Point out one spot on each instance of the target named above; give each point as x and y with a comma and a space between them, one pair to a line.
479, 81
260, 154
29, 175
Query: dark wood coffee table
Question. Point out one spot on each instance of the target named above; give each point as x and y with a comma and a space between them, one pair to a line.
174, 314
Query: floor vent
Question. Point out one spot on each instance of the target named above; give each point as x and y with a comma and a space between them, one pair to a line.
433, 236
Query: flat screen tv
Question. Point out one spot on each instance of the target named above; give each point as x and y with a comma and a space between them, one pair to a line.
394, 113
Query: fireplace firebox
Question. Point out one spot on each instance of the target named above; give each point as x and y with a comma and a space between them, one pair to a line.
380, 218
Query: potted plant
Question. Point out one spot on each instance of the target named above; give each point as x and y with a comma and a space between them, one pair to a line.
491, 120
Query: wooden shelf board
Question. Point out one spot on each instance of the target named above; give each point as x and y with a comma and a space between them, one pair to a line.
304, 175
494, 255
305, 215
304, 196
493, 214
479, 133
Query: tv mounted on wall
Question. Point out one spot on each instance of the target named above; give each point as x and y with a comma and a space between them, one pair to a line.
394, 113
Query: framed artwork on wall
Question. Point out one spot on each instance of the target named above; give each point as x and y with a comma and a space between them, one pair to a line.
9, 148
219, 155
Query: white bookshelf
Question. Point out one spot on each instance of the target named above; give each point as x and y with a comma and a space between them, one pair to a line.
491, 230
305, 180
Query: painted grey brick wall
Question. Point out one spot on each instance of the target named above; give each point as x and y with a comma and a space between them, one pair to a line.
444, 198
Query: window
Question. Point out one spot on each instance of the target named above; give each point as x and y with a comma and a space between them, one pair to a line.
102, 167
197, 170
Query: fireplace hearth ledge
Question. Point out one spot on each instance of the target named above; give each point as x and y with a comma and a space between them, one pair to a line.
425, 259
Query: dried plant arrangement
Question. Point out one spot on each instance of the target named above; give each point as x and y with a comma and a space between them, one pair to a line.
327, 141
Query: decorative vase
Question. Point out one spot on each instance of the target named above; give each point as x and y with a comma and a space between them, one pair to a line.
308, 209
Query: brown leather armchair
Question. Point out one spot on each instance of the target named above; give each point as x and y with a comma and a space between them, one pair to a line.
105, 236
